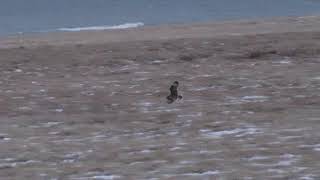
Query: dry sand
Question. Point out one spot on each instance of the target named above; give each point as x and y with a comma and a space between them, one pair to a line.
91, 105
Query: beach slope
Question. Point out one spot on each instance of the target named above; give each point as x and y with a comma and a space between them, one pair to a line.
92, 104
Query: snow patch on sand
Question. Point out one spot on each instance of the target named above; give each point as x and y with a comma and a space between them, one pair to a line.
238, 132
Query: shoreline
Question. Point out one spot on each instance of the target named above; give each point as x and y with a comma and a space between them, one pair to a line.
167, 32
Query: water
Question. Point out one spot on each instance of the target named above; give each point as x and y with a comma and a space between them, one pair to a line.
47, 15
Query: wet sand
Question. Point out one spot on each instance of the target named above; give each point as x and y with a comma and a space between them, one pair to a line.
92, 105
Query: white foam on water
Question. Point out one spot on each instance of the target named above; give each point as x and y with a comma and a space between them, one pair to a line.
99, 28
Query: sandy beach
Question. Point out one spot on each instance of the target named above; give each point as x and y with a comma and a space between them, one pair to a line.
92, 104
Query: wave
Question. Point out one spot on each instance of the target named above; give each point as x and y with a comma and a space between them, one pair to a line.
98, 28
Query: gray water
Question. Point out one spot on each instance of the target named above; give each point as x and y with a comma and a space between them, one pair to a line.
49, 15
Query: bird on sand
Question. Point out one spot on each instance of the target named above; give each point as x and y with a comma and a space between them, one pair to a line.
173, 93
